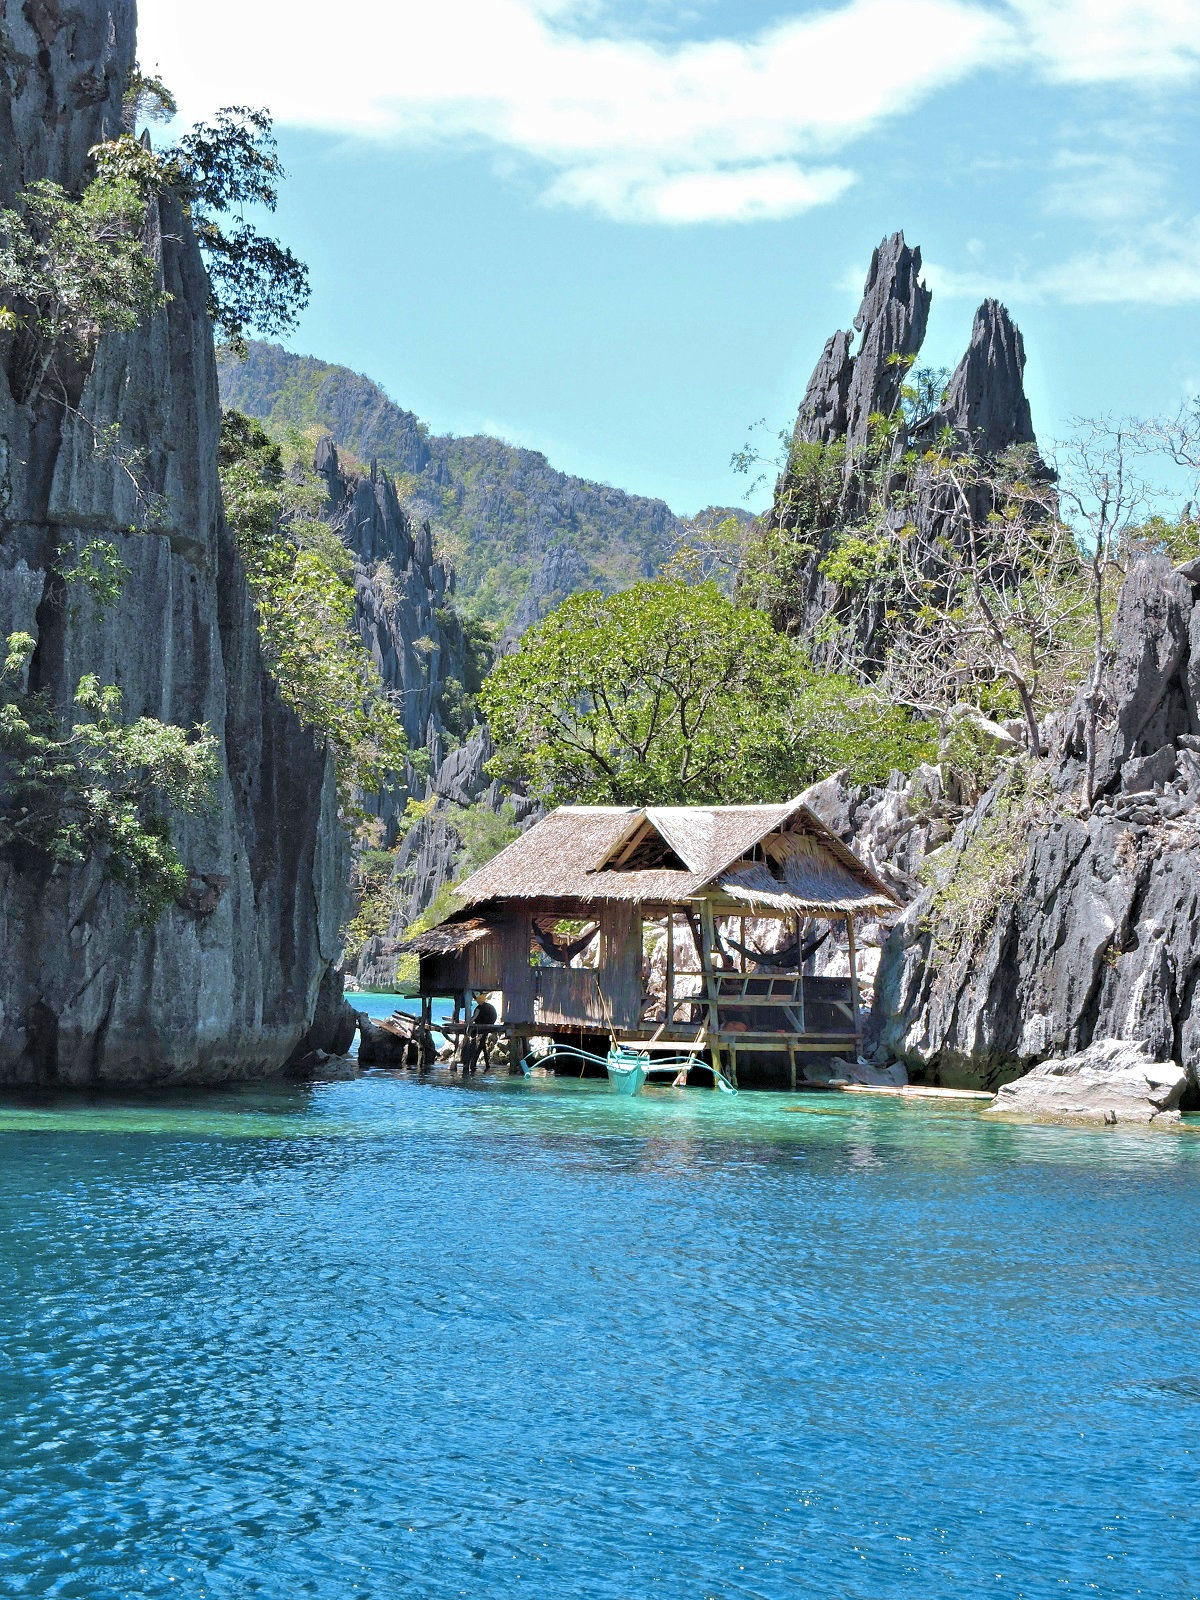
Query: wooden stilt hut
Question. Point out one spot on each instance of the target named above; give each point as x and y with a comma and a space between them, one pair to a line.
668, 927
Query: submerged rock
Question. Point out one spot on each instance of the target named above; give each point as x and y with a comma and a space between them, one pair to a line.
1113, 1080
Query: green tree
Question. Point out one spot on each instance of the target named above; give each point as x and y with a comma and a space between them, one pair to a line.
670, 693
217, 169
300, 576
71, 269
102, 785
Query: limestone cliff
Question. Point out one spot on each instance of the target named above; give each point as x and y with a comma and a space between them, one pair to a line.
406, 619
524, 534
228, 986
984, 405
1100, 935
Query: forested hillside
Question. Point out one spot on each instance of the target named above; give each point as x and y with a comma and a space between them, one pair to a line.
520, 535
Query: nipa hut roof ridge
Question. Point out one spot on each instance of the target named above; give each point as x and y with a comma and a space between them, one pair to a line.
564, 856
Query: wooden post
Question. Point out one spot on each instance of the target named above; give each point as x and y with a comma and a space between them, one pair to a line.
425, 1050
709, 940
800, 971
670, 1005
854, 1005
468, 1008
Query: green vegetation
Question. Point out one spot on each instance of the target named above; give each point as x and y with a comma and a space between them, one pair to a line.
972, 887
480, 832
494, 508
71, 269
101, 785
299, 574
221, 167
669, 693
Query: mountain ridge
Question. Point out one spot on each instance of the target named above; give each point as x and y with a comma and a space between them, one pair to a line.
520, 534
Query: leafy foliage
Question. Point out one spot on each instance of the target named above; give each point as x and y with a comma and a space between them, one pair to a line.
670, 693
72, 269
220, 167
300, 578
103, 785
807, 505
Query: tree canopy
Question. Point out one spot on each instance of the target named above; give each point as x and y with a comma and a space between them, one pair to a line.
301, 578
669, 693
102, 784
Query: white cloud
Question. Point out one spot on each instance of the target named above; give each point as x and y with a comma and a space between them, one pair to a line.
1112, 41
729, 129
1154, 266
756, 193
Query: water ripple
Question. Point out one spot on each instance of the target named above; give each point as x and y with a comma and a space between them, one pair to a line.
408, 1337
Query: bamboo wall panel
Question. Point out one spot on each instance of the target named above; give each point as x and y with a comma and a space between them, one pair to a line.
621, 962
568, 995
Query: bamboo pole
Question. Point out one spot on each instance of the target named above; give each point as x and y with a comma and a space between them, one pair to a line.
670, 1006
854, 1001
709, 941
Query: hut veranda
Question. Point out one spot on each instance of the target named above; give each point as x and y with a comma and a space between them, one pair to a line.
663, 927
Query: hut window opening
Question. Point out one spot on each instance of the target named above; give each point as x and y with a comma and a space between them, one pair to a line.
564, 942
672, 974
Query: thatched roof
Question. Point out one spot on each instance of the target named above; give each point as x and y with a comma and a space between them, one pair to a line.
577, 853
447, 939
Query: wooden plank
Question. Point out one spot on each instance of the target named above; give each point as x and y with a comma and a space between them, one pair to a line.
620, 974
518, 977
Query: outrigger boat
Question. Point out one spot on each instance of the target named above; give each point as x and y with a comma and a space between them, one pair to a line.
628, 1070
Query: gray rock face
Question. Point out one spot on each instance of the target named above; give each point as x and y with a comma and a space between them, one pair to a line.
1111, 1081
845, 390
892, 321
1100, 938
227, 984
985, 406
404, 615
985, 399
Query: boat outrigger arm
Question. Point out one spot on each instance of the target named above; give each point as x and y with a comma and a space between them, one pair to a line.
629, 1069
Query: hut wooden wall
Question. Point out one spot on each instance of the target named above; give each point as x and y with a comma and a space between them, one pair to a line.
516, 973
621, 962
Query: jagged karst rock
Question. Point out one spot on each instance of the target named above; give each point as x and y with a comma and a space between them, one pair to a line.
1112, 1081
892, 321
1101, 937
985, 400
226, 985
405, 617
985, 406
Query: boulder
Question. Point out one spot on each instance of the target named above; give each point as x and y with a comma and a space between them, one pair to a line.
1144, 773
1113, 1080
992, 737
318, 1066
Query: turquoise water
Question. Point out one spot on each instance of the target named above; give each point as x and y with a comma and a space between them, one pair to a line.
413, 1338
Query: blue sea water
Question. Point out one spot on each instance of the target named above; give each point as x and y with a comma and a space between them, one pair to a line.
402, 1337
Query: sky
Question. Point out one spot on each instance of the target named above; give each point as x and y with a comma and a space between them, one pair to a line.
620, 231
